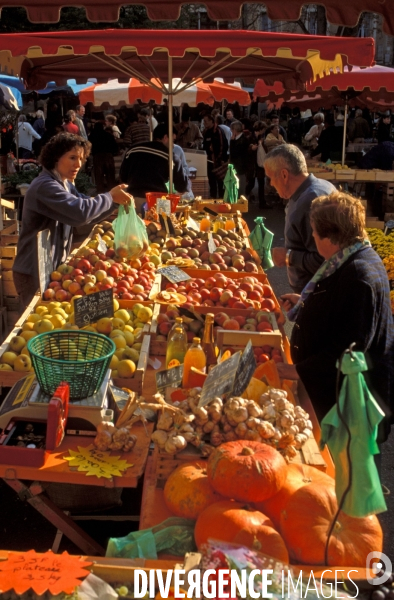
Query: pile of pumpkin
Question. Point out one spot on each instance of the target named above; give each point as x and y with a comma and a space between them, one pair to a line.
246, 493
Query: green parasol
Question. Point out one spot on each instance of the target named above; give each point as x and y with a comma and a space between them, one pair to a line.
261, 240
350, 430
231, 185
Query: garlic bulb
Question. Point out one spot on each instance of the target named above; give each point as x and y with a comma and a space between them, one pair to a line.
159, 437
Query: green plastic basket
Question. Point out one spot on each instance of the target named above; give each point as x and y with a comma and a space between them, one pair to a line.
81, 358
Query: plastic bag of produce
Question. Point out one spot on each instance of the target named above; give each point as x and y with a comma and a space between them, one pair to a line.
131, 238
261, 240
174, 536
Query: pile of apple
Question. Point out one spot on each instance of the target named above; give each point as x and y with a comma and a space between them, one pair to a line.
90, 271
262, 354
125, 328
219, 290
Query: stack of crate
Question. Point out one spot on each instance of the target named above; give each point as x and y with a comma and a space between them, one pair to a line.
388, 197
9, 235
200, 187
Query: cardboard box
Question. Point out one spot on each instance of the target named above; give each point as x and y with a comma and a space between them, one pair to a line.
198, 160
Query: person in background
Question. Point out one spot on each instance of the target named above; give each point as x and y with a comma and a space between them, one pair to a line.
139, 131
39, 127
273, 137
330, 141
383, 133
314, 133
275, 121
180, 156
69, 124
104, 148
359, 128
110, 122
152, 121
347, 301
259, 130
26, 134
188, 134
380, 156
240, 154
295, 128
79, 120
287, 170
52, 202
216, 147
219, 120
229, 117
145, 168
339, 119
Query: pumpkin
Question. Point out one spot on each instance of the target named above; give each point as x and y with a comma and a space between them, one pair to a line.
255, 389
305, 524
269, 371
187, 491
246, 471
239, 524
297, 476
288, 386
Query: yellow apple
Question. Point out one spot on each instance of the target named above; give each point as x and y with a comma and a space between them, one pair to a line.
28, 335
122, 314
114, 362
126, 368
54, 304
136, 308
25, 350
90, 328
119, 341
116, 332
132, 354
129, 328
118, 323
59, 311
43, 326
145, 314
130, 339
5, 367
104, 325
58, 321
119, 353
67, 307
137, 346
33, 318
41, 310
116, 305
17, 343
8, 358
27, 326
22, 363
114, 372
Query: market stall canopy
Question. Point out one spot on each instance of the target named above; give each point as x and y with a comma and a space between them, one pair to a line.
115, 93
8, 97
338, 12
373, 87
293, 59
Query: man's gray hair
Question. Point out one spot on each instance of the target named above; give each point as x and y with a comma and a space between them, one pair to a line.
359, 112
237, 126
287, 156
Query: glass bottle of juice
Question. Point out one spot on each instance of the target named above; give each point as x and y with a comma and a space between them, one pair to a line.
230, 224
178, 323
194, 357
205, 223
208, 343
176, 347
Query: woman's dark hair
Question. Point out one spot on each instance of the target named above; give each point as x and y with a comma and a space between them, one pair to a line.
59, 145
271, 128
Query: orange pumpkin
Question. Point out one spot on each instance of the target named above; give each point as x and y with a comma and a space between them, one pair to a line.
187, 491
297, 476
246, 471
234, 522
269, 371
305, 523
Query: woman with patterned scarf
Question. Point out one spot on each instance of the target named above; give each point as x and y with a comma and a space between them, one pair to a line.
346, 301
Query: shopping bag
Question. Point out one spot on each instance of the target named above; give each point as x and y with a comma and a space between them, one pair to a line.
220, 171
131, 238
261, 240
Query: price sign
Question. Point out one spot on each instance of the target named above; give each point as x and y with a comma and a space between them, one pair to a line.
45, 260
173, 274
89, 309
220, 379
102, 246
163, 205
211, 244
191, 224
246, 368
169, 378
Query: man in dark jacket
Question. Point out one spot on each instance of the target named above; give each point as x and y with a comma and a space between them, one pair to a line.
240, 156
104, 148
145, 168
379, 157
216, 146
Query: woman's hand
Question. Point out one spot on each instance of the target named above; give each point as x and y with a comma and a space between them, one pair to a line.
119, 196
287, 371
288, 301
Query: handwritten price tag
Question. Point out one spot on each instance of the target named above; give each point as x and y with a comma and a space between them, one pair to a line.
211, 244
96, 463
56, 573
89, 309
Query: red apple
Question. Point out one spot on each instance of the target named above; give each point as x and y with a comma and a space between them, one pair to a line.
268, 303
267, 291
263, 358
241, 320
205, 294
49, 294
61, 295
56, 276
215, 294
54, 285
232, 325
210, 283
220, 318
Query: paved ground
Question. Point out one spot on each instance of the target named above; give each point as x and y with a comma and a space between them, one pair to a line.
22, 528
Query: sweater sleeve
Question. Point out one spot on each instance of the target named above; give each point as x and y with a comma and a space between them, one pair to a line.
312, 133
179, 175
74, 208
33, 132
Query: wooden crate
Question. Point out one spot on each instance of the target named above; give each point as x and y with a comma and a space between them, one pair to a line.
135, 383
11, 303
372, 224
10, 233
344, 174
365, 175
8, 285
242, 207
200, 187
384, 175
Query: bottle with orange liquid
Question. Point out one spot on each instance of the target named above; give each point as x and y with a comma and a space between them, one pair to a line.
208, 343
194, 357
230, 224
205, 223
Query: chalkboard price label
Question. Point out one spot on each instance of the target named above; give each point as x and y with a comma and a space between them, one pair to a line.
220, 380
44, 257
246, 368
163, 205
169, 378
89, 309
101, 246
173, 274
211, 244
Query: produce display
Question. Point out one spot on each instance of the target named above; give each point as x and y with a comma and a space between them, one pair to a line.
271, 420
384, 246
